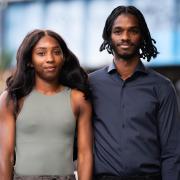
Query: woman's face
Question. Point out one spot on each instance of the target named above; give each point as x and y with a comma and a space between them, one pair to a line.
47, 59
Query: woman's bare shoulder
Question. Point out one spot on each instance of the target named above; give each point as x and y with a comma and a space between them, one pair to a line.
3, 97
77, 93
5, 104
78, 96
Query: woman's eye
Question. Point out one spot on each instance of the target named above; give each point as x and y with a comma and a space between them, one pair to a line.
58, 52
41, 53
117, 32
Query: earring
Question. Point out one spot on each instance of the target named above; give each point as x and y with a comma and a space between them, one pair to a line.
30, 65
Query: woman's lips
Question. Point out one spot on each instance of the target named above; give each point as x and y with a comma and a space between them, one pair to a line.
50, 68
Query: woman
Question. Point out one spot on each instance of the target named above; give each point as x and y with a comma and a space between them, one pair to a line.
45, 98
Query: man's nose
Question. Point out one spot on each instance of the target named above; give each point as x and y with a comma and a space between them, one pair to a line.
125, 35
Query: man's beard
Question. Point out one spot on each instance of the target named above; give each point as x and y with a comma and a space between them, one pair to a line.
126, 56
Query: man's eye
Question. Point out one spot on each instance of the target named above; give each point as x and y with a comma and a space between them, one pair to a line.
135, 31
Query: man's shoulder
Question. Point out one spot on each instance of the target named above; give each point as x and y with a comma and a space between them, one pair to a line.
158, 77
162, 84
98, 73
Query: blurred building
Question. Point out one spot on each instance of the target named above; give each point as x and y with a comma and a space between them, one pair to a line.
81, 22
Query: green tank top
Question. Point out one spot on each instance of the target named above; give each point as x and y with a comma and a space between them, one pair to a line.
45, 131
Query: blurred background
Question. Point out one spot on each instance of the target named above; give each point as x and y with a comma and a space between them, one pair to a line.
81, 22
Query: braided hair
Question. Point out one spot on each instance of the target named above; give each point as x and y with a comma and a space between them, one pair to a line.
147, 47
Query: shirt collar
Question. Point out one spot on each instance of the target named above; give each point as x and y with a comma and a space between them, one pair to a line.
111, 67
140, 68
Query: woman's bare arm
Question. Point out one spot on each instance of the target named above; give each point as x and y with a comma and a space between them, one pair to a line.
7, 137
85, 151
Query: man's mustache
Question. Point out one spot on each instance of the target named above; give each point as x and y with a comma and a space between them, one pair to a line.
129, 43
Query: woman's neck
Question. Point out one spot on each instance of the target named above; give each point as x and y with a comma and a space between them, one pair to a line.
47, 88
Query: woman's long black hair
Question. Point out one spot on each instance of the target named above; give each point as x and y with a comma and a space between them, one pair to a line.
148, 49
21, 83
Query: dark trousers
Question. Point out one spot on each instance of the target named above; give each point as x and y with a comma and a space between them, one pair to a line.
112, 177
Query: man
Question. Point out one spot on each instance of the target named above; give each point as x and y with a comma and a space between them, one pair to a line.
136, 123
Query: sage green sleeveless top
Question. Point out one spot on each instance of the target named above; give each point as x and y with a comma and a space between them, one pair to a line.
45, 135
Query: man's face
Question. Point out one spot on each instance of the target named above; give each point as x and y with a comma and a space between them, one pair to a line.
126, 36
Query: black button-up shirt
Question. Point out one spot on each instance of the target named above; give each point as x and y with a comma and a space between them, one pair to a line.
136, 124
